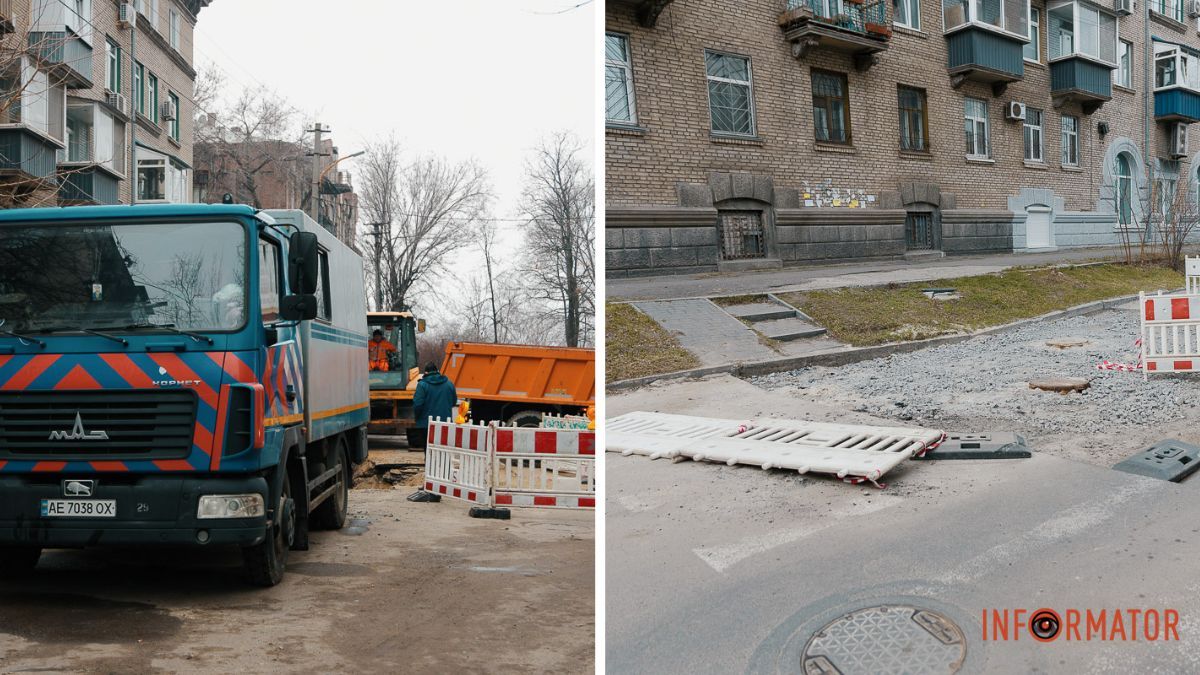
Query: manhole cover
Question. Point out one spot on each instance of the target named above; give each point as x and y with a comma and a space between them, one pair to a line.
886, 639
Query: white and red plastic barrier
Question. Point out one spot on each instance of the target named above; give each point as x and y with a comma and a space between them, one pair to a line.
1191, 269
512, 466
1170, 333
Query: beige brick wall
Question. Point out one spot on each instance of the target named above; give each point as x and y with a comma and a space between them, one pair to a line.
672, 107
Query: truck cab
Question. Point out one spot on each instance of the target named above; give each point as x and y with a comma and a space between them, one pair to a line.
157, 366
393, 372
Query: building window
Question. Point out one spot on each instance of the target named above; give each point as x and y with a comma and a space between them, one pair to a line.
174, 114
831, 107
1166, 193
1124, 192
975, 117
913, 119
1078, 29
907, 13
152, 179
1070, 140
112, 66
730, 94
139, 90
618, 80
173, 17
1123, 75
1169, 8
1010, 16
152, 92
1175, 67
1033, 49
1033, 135
80, 131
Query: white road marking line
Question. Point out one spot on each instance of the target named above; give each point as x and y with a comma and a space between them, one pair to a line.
721, 558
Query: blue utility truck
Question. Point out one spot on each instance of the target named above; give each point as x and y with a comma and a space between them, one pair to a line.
177, 374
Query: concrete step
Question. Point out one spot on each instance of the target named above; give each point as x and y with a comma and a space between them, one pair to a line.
788, 329
749, 265
760, 311
921, 255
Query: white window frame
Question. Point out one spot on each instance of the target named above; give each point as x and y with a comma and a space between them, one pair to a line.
1077, 8
1028, 132
1123, 73
112, 56
627, 68
976, 124
749, 84
1160, 7
913, 8
1035, 35
1186, 66
150, 162
174, 28
1068, 140
971, 19
173, 124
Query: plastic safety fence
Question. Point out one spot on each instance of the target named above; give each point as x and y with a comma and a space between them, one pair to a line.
458, 461
553, 468
1191, 268
1170, 333
853, 453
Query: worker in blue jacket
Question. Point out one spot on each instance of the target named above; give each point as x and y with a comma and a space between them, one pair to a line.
435, 398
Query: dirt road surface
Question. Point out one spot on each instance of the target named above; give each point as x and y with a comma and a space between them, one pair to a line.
406, 587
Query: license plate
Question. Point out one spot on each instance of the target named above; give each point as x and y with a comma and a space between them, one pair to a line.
79, 508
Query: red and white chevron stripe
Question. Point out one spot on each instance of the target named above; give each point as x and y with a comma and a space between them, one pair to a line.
545, 441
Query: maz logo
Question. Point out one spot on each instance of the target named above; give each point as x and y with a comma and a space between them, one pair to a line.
172, 383
78, 433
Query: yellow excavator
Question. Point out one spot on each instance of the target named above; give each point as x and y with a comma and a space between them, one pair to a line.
392, 389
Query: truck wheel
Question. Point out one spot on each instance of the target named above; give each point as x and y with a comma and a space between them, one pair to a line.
526, 418
331, 514
18, 559
266, 561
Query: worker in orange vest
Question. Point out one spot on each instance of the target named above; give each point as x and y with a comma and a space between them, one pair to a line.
378, 349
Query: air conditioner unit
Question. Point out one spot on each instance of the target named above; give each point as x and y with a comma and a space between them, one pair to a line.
166, 110
1123, 7
126, 15
1179, 141
1194, 8
1014, 110
119, 102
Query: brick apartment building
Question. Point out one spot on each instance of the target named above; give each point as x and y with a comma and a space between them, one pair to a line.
75, 97
777, 132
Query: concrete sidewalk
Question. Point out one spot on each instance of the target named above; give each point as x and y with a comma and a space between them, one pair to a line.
872, 273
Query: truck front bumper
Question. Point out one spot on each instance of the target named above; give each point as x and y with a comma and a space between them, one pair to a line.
149, 510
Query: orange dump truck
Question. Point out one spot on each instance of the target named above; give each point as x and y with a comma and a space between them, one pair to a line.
519, 384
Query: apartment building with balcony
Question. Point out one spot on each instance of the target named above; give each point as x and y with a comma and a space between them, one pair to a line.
85, 118
779, 132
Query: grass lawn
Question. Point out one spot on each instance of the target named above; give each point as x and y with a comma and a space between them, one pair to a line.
897, 312
636, 346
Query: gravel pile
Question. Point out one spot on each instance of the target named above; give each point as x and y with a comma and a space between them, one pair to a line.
982, 383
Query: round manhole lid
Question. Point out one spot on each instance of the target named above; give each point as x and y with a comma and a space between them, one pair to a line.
886, 639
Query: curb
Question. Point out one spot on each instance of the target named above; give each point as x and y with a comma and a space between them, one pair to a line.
849, 355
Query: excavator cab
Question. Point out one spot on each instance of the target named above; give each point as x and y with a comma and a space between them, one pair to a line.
394, 380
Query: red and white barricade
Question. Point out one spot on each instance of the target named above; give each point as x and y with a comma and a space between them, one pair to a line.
1191, 268
458, 461
544, 467
1170, 333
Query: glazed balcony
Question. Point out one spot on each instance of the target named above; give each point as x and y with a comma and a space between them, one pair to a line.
1083, 53
1176, 84
985, 41
26, 154
64, 55
859, 28
86, 186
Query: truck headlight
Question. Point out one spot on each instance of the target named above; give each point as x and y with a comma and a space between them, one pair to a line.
230, 506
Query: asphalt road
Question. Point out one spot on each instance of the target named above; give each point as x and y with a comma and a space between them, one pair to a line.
713, 568
409, 587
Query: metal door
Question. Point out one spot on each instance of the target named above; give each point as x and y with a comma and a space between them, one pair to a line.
918, 231
742, 235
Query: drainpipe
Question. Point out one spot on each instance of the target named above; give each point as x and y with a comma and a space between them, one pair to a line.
1147, 104
132, 171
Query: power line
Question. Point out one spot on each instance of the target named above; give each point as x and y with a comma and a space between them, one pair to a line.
564, 11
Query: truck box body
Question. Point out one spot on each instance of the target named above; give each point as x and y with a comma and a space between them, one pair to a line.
502, 381
137, 413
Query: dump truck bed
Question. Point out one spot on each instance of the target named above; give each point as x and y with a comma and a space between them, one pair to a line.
551, 376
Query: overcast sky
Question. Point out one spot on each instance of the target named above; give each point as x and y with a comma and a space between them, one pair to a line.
464, 78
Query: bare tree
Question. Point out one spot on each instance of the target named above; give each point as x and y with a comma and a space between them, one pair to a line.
418, 213
559, 202
1156, 220
486, 237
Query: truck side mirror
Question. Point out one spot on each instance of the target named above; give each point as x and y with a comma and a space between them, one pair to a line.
302, 263
298, 307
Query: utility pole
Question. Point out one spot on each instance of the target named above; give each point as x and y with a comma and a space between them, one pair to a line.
377, 232
314, 204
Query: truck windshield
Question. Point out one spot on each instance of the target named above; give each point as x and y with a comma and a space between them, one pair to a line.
189, 275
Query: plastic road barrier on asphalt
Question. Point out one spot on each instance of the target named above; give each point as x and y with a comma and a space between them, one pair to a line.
512, 466
854, 453
1170, 333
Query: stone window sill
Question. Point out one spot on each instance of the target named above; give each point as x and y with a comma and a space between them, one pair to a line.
843, 148
1167, 21
736, 140
980, 160
925, 156
624, 130
905, 30
1040, 166
1121, 87
1035, 64
1072, 169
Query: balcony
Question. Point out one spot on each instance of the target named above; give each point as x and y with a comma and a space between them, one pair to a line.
1082, 55
1176, 84
6, 17
646, 12
86, 186
984, 41
1077, 79
26, 154
64, 55
856, 27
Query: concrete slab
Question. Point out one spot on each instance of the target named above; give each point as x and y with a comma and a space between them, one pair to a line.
759, 311
708, 331
788, 329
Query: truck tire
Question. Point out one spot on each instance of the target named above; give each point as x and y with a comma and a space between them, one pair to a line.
331, 514
15, 560
266, 561
527, 418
